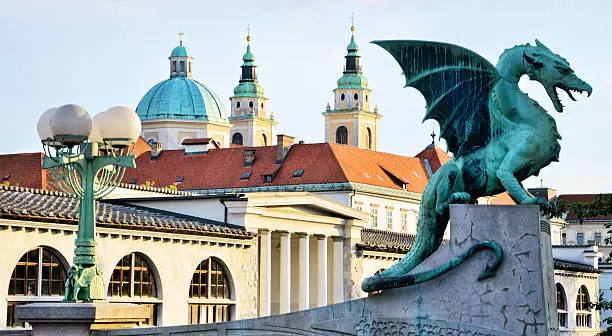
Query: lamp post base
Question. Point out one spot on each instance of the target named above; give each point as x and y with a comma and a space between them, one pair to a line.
70, 319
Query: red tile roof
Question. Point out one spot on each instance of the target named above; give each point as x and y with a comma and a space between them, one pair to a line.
23, 169
141, 146
582, 198
321, 163
436, 157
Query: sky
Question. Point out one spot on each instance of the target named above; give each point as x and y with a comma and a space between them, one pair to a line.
100, 54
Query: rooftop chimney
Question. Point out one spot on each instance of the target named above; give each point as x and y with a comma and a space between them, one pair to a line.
283, 143
249, 157
156, 148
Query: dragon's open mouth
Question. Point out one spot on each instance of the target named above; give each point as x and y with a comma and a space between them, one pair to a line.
554, 94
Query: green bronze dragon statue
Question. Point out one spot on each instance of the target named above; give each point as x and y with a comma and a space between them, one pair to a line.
498, 135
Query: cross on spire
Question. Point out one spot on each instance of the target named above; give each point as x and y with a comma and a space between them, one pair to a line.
180, 38
433, 135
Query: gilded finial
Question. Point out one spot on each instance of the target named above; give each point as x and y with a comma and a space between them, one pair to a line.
353, 23
248, 38
180, 38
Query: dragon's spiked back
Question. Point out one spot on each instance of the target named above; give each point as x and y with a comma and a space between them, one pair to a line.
456, 83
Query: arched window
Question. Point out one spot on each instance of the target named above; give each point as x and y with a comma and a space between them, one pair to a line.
264, 140
237, 105
237, 139
583, 308
133, 278
561, 306
369, 137
366, 96
342, 135
261, 105
210, 294
251, 104
355, 96
342, 97
39, 272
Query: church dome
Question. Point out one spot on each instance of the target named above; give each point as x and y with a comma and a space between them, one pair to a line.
352, 81
181, 98
180, 51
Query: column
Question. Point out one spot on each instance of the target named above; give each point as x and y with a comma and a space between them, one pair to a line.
285, 272
338, 269
265, 272
322, 270
304, 276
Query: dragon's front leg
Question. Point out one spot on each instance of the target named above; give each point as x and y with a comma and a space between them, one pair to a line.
518, 159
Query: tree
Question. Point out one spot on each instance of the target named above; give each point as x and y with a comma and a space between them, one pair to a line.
601, 206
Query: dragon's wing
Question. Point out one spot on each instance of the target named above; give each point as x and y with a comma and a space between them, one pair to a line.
456, 83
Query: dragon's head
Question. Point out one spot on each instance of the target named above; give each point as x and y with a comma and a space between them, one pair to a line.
554, 72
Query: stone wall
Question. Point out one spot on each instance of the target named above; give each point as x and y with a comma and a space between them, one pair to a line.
515, 301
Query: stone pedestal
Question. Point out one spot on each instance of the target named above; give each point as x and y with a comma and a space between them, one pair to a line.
517, 300
57, 318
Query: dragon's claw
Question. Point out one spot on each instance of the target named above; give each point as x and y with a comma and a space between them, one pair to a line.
460, 198
547, 207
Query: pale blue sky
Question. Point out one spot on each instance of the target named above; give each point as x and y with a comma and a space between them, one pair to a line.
104, 53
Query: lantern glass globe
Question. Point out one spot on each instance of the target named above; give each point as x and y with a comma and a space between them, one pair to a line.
43, 127
120, 125
70, 121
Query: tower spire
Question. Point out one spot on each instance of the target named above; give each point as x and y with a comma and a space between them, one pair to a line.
180, 34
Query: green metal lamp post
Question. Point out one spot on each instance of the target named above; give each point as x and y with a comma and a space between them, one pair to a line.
87, 159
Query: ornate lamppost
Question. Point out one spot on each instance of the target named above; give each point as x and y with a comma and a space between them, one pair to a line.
87, 159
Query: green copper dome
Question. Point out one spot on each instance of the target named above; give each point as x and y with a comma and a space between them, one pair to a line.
180, 51
352, 81
181, 98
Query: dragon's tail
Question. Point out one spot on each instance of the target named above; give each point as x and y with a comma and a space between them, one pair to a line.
433, 218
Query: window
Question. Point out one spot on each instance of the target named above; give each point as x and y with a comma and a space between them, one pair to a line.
366, 97
355, 96
237, 139
564, 238
264, 140
39, 272
267, 178
359, 207
179, 179
390, 220
598, 238
251, 104
173, 66
580, 238
261, 105
342, 135
182, 66
209, 283
583, 308
342, 97
189, 66
561, 306
26, 281
404, 222
369, 137
237, 105
132, 277
298, 173
374, 218
245, 175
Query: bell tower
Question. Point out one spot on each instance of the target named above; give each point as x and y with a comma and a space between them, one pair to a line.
352, 121
252, 125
